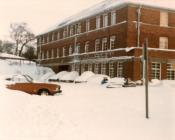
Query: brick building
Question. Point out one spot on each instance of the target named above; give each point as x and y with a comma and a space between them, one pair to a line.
108, 40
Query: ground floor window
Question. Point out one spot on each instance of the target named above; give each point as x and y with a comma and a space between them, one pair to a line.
120, 69
77, 68
103, 68
73, 67
96, 67
171, 71
155, 74
111, 70
82, 68
89, 67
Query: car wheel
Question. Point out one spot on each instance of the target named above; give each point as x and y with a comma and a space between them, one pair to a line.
44, 92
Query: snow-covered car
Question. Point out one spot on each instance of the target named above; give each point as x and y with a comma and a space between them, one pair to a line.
97, 79
84, 77
56, 78
69, 77
26, 84
115, 83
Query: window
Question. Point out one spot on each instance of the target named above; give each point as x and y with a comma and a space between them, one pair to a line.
96, 68
82, 68
87, 25
111, 70
42, 55
65, 33
113, 17
104, 44
78, 28
58, 35
103, 68
71, 30
105, 20
47, 39
73, 67
53, 36
70, 50
86, 47
120, 69
57, 52
64, 51
89, 67
52, 53
77, 49
163, 18
112, 42
47, 54
163, 42
77, 68
171, 71
98, 22
155, 70
97, 45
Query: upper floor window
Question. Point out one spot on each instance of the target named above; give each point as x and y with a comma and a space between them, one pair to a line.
70, 50
98, 22
64, 51
77, 49
71, 30
57, 52
87, 25
78, 28
65, 33
52, 53
105, 20
113, 17
48, 39
42, 55
97, 45
163, 18
112, 42
87, 47
163, 42
104, 44
53, 36
58, 35
47, 54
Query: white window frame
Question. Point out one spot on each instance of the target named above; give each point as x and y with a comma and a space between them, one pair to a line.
155, 70
98, 22
164, 18
104, 44
113, 17
82, 68
71, 30
96, 68
163, 42
53, 36
52, 53
70, 50
78, 28
103, 68
112, 42
47, 54
171, 71
120, 69
57, 52
89, 67
97, 45
86, 47
58, 36
105, 20
87, 25
77, 48
64, 51
111, 69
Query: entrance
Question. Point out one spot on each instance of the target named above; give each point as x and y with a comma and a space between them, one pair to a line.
63, 68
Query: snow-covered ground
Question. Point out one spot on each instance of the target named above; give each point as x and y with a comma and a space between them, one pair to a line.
88, 111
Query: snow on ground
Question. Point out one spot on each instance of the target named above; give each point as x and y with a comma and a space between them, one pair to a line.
86, 111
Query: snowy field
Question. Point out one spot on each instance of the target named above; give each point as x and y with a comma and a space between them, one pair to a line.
88, 111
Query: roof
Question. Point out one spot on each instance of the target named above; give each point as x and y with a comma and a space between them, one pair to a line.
111, 4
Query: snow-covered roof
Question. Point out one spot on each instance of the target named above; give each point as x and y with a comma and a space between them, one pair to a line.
5, 55
110, 4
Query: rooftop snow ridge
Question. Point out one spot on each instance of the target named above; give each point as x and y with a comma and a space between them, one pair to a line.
108, 5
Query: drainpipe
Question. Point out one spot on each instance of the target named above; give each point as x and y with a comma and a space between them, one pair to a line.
138, 25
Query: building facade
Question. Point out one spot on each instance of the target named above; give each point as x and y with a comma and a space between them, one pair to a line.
110, 43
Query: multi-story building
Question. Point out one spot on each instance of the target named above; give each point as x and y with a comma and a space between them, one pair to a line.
108, 39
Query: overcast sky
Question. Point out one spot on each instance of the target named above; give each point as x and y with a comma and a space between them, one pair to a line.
39, 14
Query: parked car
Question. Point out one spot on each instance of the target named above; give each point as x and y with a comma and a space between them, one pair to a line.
25, 83
69, 77
84, 77
56, 78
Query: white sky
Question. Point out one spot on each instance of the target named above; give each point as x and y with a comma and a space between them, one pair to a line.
39, 14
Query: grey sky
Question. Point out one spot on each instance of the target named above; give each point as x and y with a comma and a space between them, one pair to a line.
39, 14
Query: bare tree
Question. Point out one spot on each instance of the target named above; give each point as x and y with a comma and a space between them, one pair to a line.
22, 36
6, 47
30, 53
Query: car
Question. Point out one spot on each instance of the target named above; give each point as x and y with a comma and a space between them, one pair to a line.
26, 84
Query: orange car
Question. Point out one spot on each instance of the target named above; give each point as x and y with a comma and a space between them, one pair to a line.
27, 85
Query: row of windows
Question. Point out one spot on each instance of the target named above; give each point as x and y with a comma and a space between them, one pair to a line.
77, 28
100, 45
100, 68
156, 71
